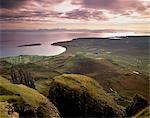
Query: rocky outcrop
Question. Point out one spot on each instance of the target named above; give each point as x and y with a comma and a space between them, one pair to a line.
80, 96
44, 110
20, 76
137, 105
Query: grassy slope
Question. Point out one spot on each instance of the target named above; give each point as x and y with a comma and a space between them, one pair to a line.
108, 74
70, 83
130, 52
78, 82
28, 95
23, 59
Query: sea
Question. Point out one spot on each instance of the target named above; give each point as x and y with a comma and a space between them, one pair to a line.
10, 42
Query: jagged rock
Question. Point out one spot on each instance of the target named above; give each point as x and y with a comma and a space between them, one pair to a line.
20, 76
137, 105
80, 96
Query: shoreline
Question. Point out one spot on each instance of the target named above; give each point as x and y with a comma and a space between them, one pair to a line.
62, 50
63, 45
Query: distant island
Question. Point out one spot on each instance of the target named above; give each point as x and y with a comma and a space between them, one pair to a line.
35, 44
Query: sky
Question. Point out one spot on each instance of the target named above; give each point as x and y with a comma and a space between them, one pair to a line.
125, 15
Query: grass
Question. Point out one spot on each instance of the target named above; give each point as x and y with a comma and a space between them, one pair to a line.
109, 72
82, 83
29, 96
128, 61
23, 59
10, 98
42, 86
128, 86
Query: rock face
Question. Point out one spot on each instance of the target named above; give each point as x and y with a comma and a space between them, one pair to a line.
20, 76
80, 96
137, 105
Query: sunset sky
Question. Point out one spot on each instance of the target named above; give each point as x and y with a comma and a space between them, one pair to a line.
128, 15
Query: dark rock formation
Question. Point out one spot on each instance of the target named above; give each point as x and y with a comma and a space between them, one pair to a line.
20, 76
137, 105
25, 110
43, 111
144, 113
80, 96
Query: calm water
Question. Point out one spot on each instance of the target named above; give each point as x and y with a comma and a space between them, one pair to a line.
10, 40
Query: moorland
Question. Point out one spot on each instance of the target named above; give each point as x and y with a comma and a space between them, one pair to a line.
95, 77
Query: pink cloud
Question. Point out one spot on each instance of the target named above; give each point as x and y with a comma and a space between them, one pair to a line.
29, 10
85, 14
117, 6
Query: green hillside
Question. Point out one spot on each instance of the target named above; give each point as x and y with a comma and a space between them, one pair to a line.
79, 95
22, 96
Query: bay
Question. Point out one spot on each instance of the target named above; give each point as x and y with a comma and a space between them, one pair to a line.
10, 42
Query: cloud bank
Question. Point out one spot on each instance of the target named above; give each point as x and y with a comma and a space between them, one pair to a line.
75, 10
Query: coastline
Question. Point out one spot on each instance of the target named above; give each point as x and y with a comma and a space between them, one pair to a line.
90, 46
130, 52
60, 50
95, 58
